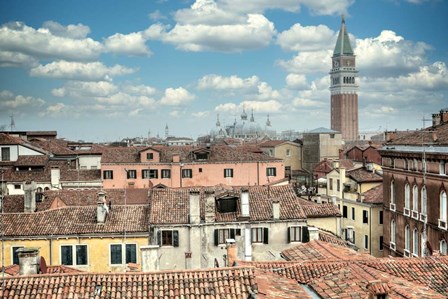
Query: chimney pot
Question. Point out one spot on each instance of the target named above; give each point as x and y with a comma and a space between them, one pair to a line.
195, 207
244, 199
276, 209
29, 260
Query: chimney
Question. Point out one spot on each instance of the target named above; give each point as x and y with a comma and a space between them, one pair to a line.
195, 207
150, 258
333, 199
55, 177
102, 196
101, 212
313, 233
231, 252
378, 289
434, 136
210, 207
443, 116
29, 260
244, 200
276, 209
30, 197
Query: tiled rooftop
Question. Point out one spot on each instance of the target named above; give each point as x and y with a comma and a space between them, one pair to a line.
374, 195
260, 201
362, 175
437, 135
212, 283
314, 210
6, 139
75, 220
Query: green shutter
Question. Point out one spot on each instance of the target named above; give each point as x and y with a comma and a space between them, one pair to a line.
289, 235
216, 237
266, 235
305, 234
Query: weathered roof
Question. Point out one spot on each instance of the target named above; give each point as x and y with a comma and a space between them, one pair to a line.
362, 175
34, 160
6, 139
76, 220
343, 46
435, 136
315, 210
321, 130
374, 195
171, 206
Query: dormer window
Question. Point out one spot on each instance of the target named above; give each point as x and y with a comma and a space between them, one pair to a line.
227, 204
201, 156
149, 156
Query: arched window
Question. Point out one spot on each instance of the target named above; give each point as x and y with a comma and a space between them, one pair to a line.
392, 192
424, 198
415, 242
443, 247
392, 231
407, 238
407, 196
415, 198
443, 206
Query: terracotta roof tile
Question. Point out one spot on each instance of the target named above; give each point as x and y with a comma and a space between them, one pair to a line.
374, 195
57, 147
38, 160
6, 139
314, 210
437, 135
361, 175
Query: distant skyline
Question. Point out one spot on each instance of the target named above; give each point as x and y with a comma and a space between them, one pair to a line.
105, 70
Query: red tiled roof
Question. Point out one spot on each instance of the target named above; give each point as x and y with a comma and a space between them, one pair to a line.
57, 147
314, 210
6, 139
35, 160
211, 283
271, 143
362, 175
75, 220
374, 195
170, 206
14, 270
437, 135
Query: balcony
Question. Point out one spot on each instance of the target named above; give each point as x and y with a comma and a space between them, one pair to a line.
392, 246
407, 253
423, 218
392, 207
414, 214
442, 224
406, 212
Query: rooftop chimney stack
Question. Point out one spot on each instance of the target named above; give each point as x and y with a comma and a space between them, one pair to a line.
195, 207
210, 207
55, 178
150, 258
231, 252
101, 212
29, 260
30, 197
245, 203
276, 209
313, 233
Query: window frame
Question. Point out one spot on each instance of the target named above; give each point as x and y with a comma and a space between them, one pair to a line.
442, 167
164, 172
415, 198
344, 211
407, 196
131, 174
443, 247
415, 242
6, 151
150, 173
393, 231
187, 173
123, 253
222, 234
424, 200
353, 213
149, 156
14, 253
108, 174
296, 233
228, 172
407, 238
261, 235
74, 253
271, 171
365, 217
174, 236
380, 217
443, 206
366, 242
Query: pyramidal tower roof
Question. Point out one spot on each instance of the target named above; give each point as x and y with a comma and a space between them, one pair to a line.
343, 46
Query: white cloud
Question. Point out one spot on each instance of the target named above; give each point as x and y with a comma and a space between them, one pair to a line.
131, 44
13, 59
200, 114
207, 12
86, 90
9, 100
258, 106
256, 32
140, 90
301, 102
145, 101
157, 15
306, 38
223, 83
308, 62
296, 81
176, 96
41, 43
92, 71
79, 31
135, 112
266, 92
57, 109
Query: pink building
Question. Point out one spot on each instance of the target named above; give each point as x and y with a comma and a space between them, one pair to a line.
186, 166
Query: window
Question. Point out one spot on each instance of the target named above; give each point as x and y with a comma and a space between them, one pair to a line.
392, 192
442, 170
443, 247
118, 255
131, 174
74, 255
6, 154
166, 173
344, 211
415, 242
381, 243
150, 173
227, 204
381, 217
187, 173
15, 255
353, 213
288, 152
415, 198
260, 235
415, 165
271, 171
331, 184
407, 238
365, 216
443, 206
149, 156
168, 238
228, 173
297, 234
221, 235
17, 186
200, 169
392, 231
338, 187
366, 242
271, 152
407, 196
423, 198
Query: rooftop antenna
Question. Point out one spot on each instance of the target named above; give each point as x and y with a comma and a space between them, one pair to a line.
12, 124
424, 120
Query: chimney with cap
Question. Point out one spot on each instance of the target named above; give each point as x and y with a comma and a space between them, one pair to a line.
29, 260
30, 197
244, 201
195, 207
276, 209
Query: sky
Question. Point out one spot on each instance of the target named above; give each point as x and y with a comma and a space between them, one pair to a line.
104, 70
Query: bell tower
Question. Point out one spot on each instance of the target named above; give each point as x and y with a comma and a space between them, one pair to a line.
344, 88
